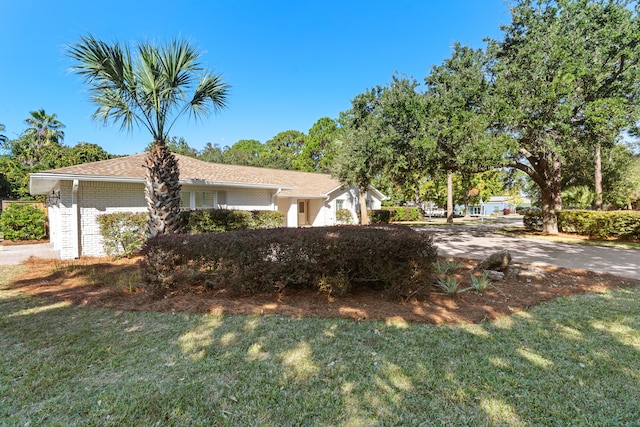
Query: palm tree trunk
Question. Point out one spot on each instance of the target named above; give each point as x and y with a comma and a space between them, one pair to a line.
162, 191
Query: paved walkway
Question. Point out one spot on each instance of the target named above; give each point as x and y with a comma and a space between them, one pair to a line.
479, 241
15, 254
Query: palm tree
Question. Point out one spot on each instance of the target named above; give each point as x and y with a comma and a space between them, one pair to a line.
150, 89
43, 130
3, 138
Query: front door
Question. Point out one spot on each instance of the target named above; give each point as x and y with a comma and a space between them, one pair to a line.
303, 206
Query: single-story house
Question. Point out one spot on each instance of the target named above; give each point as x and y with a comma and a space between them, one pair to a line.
496, 205
78, 194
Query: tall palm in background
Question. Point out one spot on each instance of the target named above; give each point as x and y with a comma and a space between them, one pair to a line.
3, 137
43, 130
150, 88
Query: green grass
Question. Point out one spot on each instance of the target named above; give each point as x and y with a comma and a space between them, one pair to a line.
574, 361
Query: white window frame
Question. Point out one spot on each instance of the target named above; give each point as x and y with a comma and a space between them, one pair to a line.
191, 204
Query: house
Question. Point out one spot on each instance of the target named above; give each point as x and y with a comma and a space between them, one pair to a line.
496, 205
78, 194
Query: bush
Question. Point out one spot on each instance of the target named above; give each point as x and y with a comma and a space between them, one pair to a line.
601, 224
123, 233
267, 219
218, 220
598, 224
395, 259
23, 221
532, 220
506, 211
380, 216
405, 213
343, 216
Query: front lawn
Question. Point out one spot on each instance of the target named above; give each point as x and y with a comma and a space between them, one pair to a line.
573, 361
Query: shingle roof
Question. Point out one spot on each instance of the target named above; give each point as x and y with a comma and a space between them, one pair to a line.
298, 183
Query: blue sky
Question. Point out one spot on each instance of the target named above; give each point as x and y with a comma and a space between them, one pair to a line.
289, 62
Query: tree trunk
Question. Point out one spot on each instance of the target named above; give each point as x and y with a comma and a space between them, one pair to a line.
598, 177
552, 196
364, 215
162, 191
449, 197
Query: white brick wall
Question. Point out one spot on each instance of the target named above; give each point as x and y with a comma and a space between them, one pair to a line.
97, 198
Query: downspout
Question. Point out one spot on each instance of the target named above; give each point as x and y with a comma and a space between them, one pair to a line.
274, 199
326, 207
75, 220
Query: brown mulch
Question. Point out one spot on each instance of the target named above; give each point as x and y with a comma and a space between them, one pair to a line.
22, 242
102, 282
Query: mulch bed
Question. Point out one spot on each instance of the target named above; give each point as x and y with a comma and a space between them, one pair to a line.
84, 282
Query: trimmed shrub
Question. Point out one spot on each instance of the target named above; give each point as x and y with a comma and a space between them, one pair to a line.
597, 224
532, 220
267, 219
343, 216
601, 224
395, 259
23, 221
506, 211
380, 216
218, 220
405, 213
123, 233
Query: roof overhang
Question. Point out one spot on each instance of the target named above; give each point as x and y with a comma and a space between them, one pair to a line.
44, 182
372, 189
302, 196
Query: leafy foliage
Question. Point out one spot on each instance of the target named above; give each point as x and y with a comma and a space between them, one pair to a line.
405, 213
123, 233
219, 220
449, 285
380, 216
152, 88
343, 216
23, 221
566, 77
601, 224
480, 283
393, 258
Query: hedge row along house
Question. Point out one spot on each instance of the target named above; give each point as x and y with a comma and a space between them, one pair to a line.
78, 194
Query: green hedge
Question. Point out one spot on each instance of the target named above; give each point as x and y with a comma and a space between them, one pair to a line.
217, 220
379, 216
23, 221
405, 213
599, 224
123, 233
343, 216
532, 220
395, 259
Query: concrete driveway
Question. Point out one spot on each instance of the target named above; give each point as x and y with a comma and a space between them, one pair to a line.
479, 241
15, 254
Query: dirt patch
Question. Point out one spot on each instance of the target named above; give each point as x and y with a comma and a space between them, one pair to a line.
22, 242
113, 284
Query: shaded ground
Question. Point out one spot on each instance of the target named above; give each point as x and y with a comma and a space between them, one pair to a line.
113, 284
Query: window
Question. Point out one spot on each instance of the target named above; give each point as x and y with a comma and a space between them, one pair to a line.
205, 199
185, 199
339, 204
